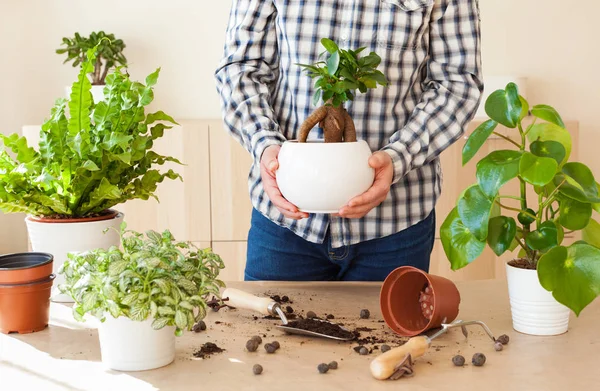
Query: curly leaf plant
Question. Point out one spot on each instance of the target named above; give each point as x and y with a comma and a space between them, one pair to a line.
337, 80
91, 156
154, 277
109, 53
566, 195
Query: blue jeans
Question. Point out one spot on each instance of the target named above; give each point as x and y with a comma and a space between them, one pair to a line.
276, 253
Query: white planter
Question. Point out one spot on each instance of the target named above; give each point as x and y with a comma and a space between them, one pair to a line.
97, 93
534, 310
61, 238
126, 345
321, 177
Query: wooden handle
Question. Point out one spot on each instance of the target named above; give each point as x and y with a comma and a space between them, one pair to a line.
241, 299
384, 365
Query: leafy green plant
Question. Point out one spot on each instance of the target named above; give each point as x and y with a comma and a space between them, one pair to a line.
91, 156
567, 193
337, 80
109, 53
154, 276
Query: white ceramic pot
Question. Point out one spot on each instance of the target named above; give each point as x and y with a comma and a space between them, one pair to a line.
60, 238
97, 92
321, 177
534, 310
127, 345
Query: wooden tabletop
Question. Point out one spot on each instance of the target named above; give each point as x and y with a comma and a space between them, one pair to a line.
66, 355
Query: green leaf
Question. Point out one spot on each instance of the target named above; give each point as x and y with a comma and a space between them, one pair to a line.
159, 116
574, 215
551, 132
551, 149
535, 170
572, 274
474, 209
153, 309
152, 78
580, 183
497, 168
113, 309
547, 113
180, 319
89, 300
460, 245
138, 312
501, 233
504, 106
477, 139
186, 305
163, 311
130, 298
81, 97
333, 63
114, 269
544, 238
329, 45
159, 323
591, 233
524, 107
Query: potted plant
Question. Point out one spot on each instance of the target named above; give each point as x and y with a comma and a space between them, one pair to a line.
321, 176
144, 295
25, 283
109, 53
91, 157
547, 278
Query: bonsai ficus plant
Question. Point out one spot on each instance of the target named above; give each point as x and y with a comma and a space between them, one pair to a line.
152, 277
91, 157
566, 194
109, 53
337, 80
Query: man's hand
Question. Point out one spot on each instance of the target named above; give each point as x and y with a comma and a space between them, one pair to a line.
362, 204
268, 165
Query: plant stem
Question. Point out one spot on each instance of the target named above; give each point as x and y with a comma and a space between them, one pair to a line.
540, 212
516, 210
511, 197
507, 139
550, 198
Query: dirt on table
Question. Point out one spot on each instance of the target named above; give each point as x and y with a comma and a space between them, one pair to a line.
207, 350
321, 327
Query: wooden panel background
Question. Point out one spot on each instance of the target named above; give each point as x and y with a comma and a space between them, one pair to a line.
211, 207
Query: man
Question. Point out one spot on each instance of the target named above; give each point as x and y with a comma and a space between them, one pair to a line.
430, 51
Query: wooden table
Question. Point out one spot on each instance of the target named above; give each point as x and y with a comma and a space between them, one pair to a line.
66, 356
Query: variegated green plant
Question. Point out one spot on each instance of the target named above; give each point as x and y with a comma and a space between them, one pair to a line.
153, 276
91, 156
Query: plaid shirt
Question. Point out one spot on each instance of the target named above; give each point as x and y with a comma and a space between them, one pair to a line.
430, 51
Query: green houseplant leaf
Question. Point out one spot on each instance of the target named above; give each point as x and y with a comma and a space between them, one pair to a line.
504, 106
544, 238
474, 209
538, 171
551, 132
591, 233
547, 113
574, 215
552, 149
460, 245
572, 274
501, 234
477, 139
497, 168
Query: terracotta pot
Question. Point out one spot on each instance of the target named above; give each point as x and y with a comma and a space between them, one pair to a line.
25, 267
400, 305
25, 308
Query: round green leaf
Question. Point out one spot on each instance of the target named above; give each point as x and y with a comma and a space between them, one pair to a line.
333, 62
497, 168
460, 245
329, 45
544, 238
591, 233
524, 107
504, 106
574, 215
547, 113
477, 139
552, 149
572, 274
579, 183
474, 209
537, 170
501, 233
551, 132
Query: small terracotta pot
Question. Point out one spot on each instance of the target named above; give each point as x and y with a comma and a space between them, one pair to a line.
400, 306
25, 267
25, 308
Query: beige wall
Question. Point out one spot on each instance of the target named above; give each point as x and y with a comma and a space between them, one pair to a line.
554, 44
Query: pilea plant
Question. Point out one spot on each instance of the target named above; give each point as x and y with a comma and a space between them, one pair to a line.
566, 193
154, 276
91, 156
337, 80
109, 53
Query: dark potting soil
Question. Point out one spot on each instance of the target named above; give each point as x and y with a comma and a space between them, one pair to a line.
522, 264
326, 328
207, 350
364, 329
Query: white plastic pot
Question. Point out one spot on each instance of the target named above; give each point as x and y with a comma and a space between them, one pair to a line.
534, 310
321, 177
60, 238
127, 345
97, 92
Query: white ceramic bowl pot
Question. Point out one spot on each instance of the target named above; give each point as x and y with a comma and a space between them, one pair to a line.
534, 310
321, 177
61, 236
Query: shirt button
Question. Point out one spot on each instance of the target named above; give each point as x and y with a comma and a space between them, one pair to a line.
344, 37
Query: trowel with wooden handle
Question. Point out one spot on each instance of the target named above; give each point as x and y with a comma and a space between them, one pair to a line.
397, 362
